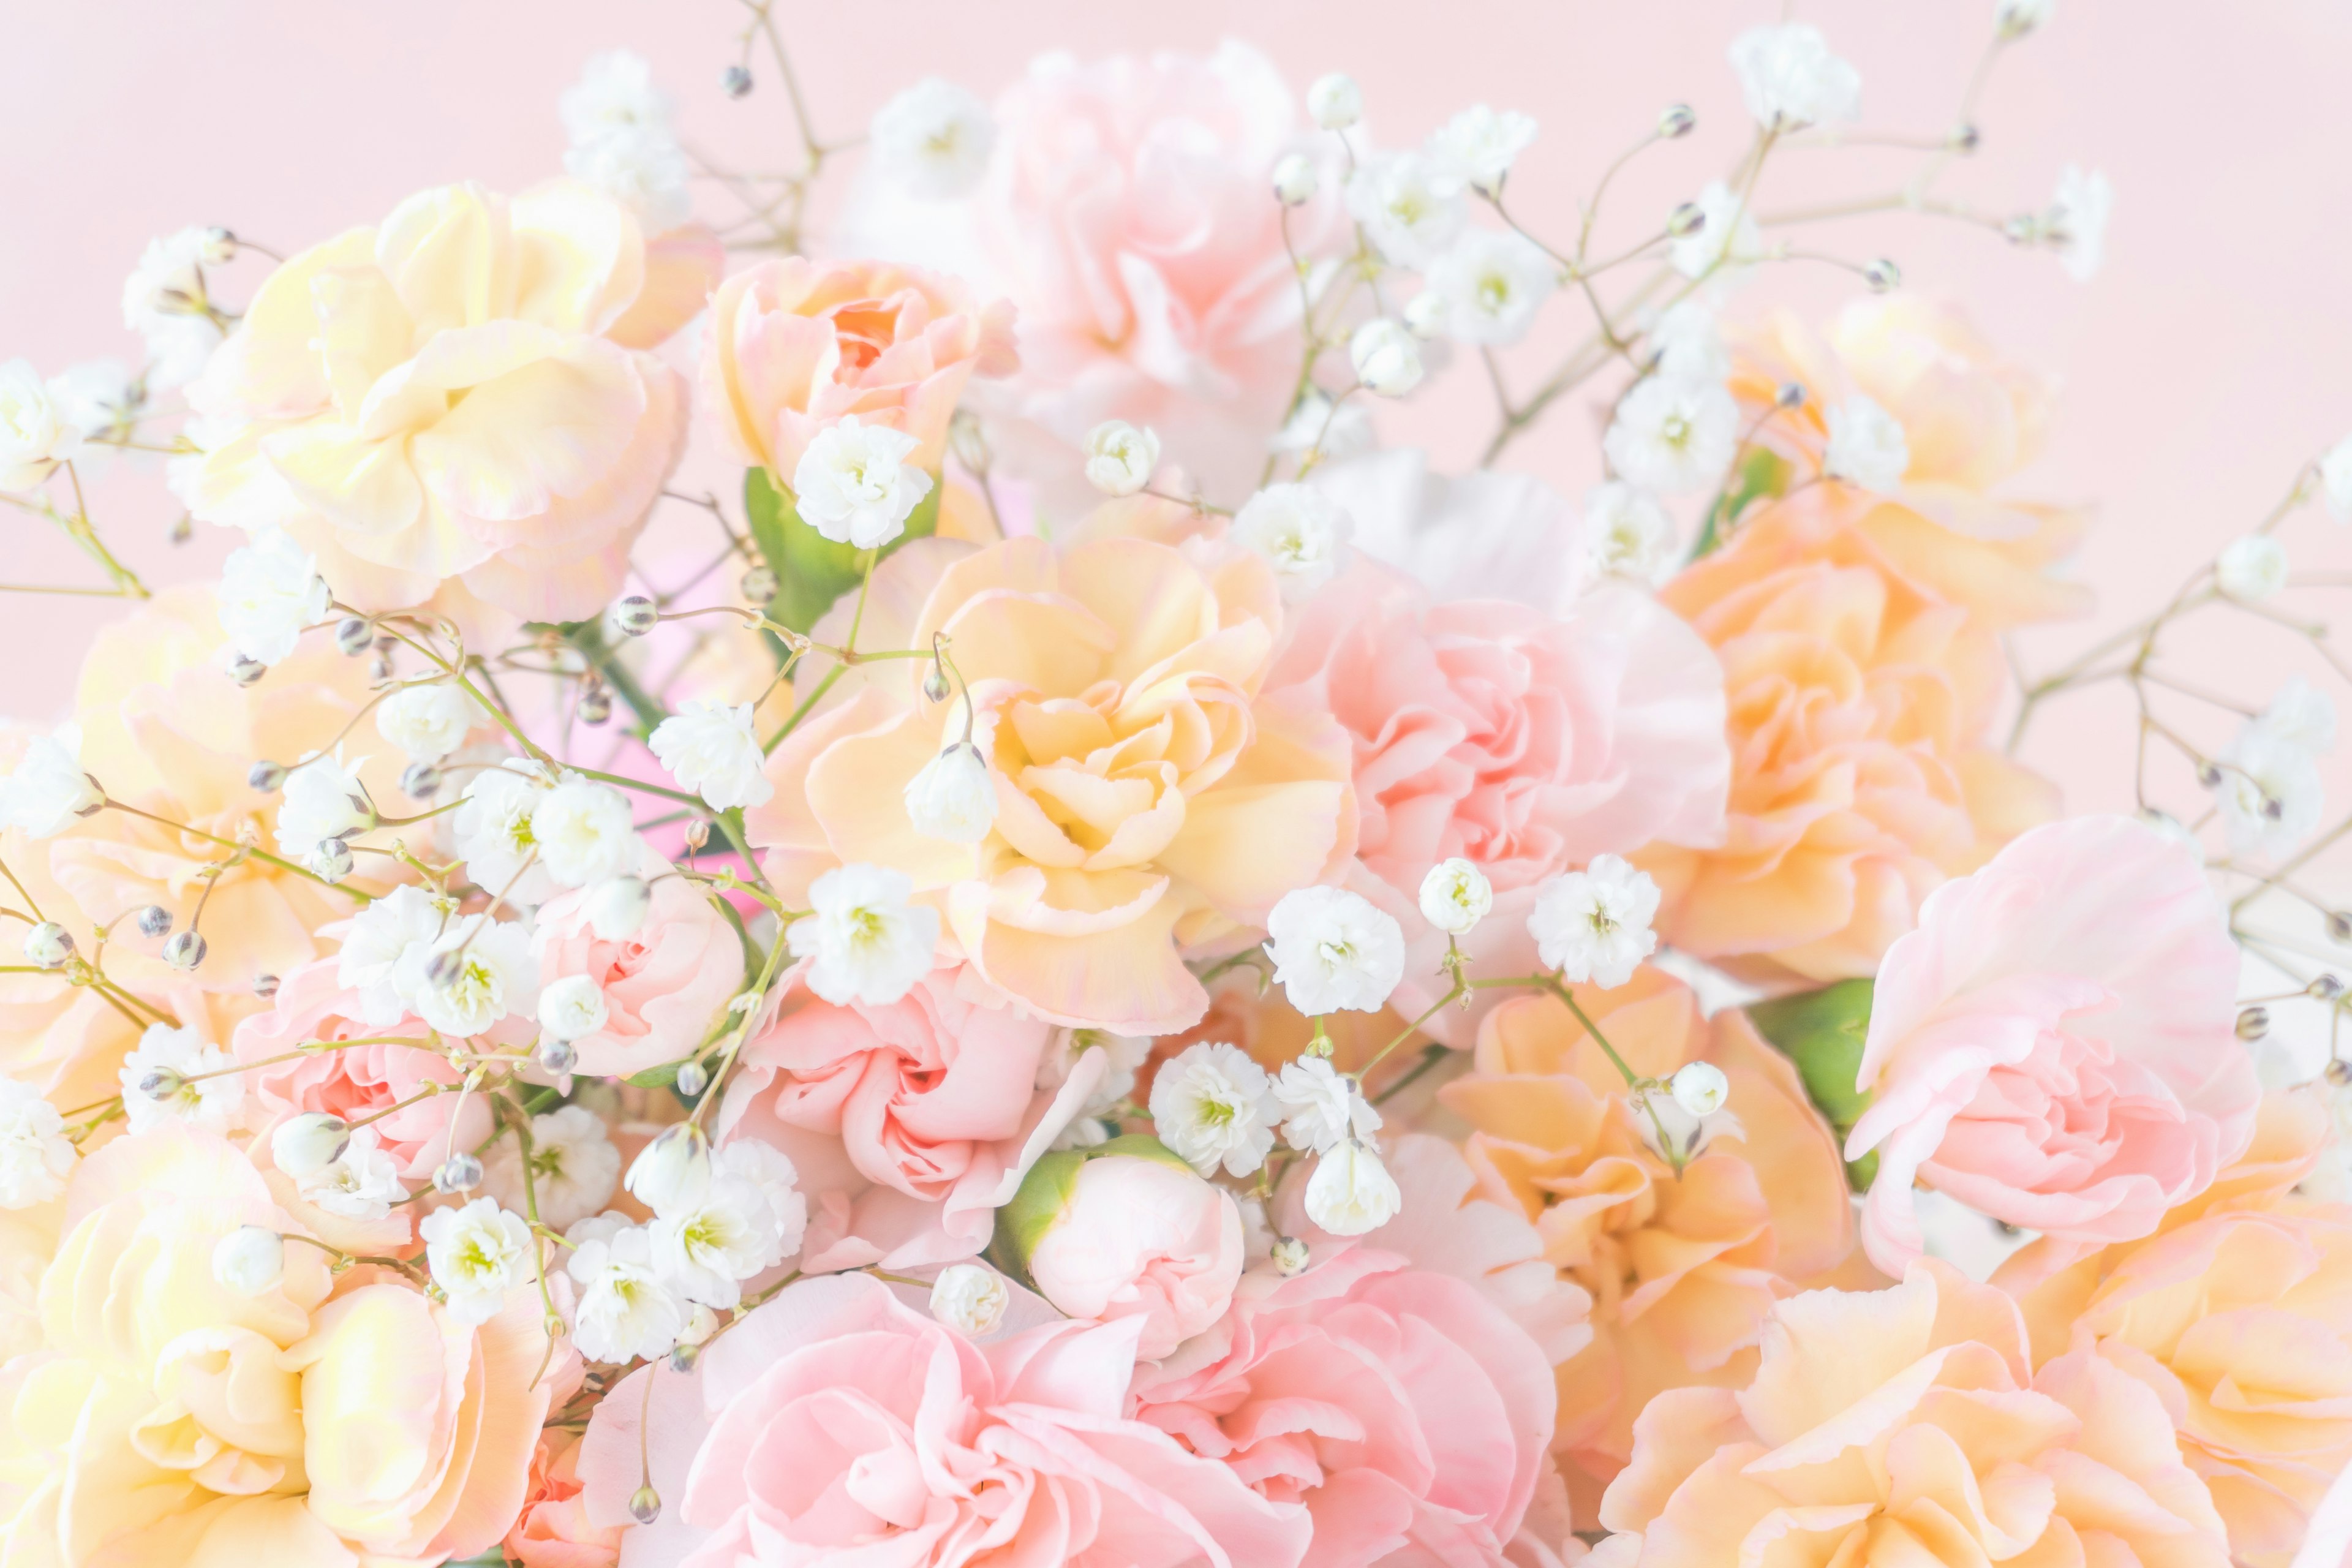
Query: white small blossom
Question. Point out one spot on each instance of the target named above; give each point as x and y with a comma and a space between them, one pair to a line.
855, 486
970, 1299
306, 1145
670, 1175
1424, 314
1351, 1191
2270, 793
766, 1168
1479, 145
1701, 1088
626, 1310
645, 170
1120, 458
713, 749
1727, 241
1334, 101
1866, 444
323, 799
1455, 896
584, 832
376, 941
1688, 343
249, 1261
708, 1247
868, 941
1334, 429
953, 797
2251, 569
426, 723
49, 944
933, 140
47, 791
615, 91
270, 590
572, 1008
1295, 180
1409, 205
2301, 715
1673, 436
494, 834
1299, 530
364, 1185
1491, 283
1332, 950
35, 1155
1594, 924
1627, 533
1214, 1107
1321, 1107
2015, 18
35, 434
617, 909
1386, 357
2335, 479
477, 1254
2077, 221
1790, 78
200, 1089
98, 398
165, 301
573, 1167
495, 976
1671, 1129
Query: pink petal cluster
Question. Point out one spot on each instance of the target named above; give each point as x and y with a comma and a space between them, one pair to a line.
836, 1424
663, 984
2054, 1045
1147, 1239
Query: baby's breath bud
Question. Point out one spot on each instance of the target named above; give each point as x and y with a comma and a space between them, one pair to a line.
1294, 179
331, 859
1335, 101
682, 1357
185, 951
49, 944
420, 781
1967, 139
155, 921
2209, 775
355, 636
1685, 220
246, 671
445, 966
635, 615
645, 1504
183, 529
558, 1056
1676, 122
163, 1083
935, 685
2326, 988
693, 1078
735, 81
2339, 1072
760, 584
595, 703
1789, 395
1882, 275
697, 833
2254, 1024
380, 669
265, 985
266, 776
1290, 1256
2340, 926
459, 1173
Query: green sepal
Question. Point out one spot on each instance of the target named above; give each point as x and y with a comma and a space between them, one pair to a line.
812, 571
1762, 473
1045, 1197
1822, 1032
661, 1077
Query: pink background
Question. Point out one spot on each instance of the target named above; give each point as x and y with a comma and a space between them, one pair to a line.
2202, 367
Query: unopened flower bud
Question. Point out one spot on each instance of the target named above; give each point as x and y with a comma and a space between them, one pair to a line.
1455, 896
1678, 121
266, 776
331, 860
249, 1261
49, 944
558, 1056
306, 1145
701, 1322
265, 985
617, 908
1386, 358
735, 81
953, 797
186, 951
697, 833
444, 966
1966, 139
1685, 220
1701, 1089
246, 671
2339, 1072
182, 530
673, 1171
970, 1299
2209, 775
2340, 925
460, 1172
2326, 988
1335, 101
155, 921
572, 1008
1294, 179
2253, 1022
1290, 1256
1424, 314
635, 615
1789, 395
595, 703
1882, 275
693, 1078
935, 685
355, 636
760, 584
420, 781
645, 1504
159, 1084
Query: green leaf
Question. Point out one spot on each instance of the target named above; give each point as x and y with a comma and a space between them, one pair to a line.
1763, 472
1823, 1032
812, 571
1046, 1193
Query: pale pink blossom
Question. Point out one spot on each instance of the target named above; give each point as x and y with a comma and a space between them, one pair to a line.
2053, 1045
664, 985
1146, 1238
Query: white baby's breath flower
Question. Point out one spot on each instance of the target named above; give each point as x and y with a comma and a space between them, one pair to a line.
1627, 533
1120, 458
1295, 180
1409, 204
1301, 533
855, 486
572, 1007
492, 975
477, 1254
953, 797
617, 909
970, 1299
35, 435
2076, 223
584, 832
1594, 924
1336, 429
1491, 282
573, 1167
1479, 145
766, 1168
708, 1247
1455, 896
494, 834
1701, 1088
1351, 1191
1321, 1107
1726, 242
1790, 78
35, 1155
713, 749
175, 1075
1334, 101
323, 799
304, 1144
2271, 794
47, 792
426, 723
1214, 1107
1673, 436
1386, 357
270, 590
670, 1175
249, 1261
2251, 569
1688, 345
2335, 479
2015, 18
933, 140
645, 170
378, 937
100, 399
1332, 950
1866, 444
165, 301
869, 942
363, 1184
615, 91
2301, 715
626, 1310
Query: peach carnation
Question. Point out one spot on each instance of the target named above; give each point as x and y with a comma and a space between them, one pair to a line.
1682, 1268
664, 985
792, 345
1900, 1427
461, 391
2052, 1046
1151, 801
1860, 777
553, 1530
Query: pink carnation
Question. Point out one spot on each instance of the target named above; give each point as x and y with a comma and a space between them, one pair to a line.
1523, 743
2052, 1046
1404, 1408
664, 986
837, 1425
908, 1123
1143, 1239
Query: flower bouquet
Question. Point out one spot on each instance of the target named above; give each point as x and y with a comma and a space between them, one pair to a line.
1084, 960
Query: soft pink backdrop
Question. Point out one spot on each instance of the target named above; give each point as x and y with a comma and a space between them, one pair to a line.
2202, 367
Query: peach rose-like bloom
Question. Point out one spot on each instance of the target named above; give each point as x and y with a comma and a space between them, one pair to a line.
2053, 1046
1861, 776
838, 1424
459, 392
1524, 743
907, 1122
1402, 1408
792, 345
664, 985
554, 1531
1901, 1427
1142, 1237
1682, 1269
1151, 801
327, 1422
1970, 419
